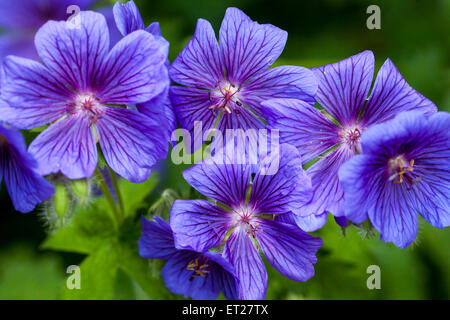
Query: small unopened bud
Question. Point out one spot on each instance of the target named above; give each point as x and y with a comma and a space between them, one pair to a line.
81, 190
61, 200
162, 206
58, 209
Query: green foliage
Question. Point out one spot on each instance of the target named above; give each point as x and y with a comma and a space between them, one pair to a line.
113, 267
24, 274
341, 270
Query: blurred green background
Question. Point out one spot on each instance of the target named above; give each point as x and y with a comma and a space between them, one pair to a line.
414, 35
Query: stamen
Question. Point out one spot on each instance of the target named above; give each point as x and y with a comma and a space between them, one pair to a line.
198, 269
352, 138
87, 104
400, 168
224, 97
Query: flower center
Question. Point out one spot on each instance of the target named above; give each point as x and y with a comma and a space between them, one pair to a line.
225, 97
89, 105
199, 268
245, 218
352, 138
400, 169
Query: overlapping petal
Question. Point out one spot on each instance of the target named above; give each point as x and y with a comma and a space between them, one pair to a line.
36, 97
191, 105
67, 146
134, 71
223, 272
198, 65
280, 82
344, 86
280, 185
160, 108
128, 18
328, 193
309, 223
74, 54
226, 183
247, 47
25, 186
157, 240
248, 265
302, 126
198, 225
288, 249
391, 95
131, 142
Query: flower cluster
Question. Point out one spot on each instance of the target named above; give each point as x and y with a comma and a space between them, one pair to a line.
382, 157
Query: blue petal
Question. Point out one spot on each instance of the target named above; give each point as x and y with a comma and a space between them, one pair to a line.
344, 86
198, 224
249, 267
131, 142
26, 187
128, 18
247, 47
198, 65
156, 241
288, 249
280, 184
308, 223
391, 94
302, 126
180, 280
67, 146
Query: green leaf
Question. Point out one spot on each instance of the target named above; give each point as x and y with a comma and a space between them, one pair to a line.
134, 194
138, 268
27, 275
97, 275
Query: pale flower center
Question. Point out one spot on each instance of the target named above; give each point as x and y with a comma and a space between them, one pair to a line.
244, 217
352, 138
225, 97
400, 170
88, 105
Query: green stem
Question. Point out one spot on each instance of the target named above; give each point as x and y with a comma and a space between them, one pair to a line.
109, 197
118, 193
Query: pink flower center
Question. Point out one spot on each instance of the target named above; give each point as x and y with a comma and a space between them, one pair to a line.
225, 97
88, 105
352, 138
245, 218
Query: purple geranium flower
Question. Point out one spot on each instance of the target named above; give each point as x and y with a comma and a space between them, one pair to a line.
21, 19
249, 199
404, 170
232, 80
128, 19
80, 90
198, 275
26, 187
333, 134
